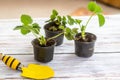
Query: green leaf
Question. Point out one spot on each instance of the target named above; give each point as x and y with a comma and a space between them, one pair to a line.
82, 28
69, 36
54, 12
64, 22
53, 28
36, 26
57, 22
70, 33
64, 18
17, 27
98, 9
25, 31
78, 21
92, 6
26, 19
70, 20
59, 18
61, 27
67, 30
75, 30
35, 30
52, 17
101, 19
42, 40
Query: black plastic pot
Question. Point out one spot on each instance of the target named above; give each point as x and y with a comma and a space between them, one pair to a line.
85, 49
43, 54
48, 33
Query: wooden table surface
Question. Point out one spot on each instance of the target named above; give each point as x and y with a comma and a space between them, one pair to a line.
103, 65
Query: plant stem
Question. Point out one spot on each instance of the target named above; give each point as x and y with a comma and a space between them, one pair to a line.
38, 32
83, 32
38, 36
89, 20
55, 36
83, 35
35, 35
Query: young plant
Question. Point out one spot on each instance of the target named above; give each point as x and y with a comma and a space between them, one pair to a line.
96, 10
28, 26
58, 20
70, 33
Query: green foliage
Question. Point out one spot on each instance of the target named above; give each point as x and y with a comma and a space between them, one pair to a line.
70, 20
24, 30
28, 26
75, 31
53, 28
57, 19
101, 20
93, 7
70, 33
96, 10
77, 21
83, 32
53, 15
64, 21
61, 27
55, 12
42, 40
17, 27
26, 19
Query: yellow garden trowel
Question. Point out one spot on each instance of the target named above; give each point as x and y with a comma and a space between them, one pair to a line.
33, 71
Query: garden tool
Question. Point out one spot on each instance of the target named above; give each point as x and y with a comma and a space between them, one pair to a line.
33, 71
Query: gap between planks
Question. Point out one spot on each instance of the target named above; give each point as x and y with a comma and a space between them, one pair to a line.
66, 53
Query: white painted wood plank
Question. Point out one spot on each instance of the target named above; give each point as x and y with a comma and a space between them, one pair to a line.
71, 66
108, 37
99, 67
103, 44
83, 78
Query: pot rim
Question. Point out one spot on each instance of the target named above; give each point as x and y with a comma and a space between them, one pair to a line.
87, 42
45, 27
32, 42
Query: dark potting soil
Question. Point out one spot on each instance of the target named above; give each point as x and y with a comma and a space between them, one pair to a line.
49, 43
88, 38
58, 30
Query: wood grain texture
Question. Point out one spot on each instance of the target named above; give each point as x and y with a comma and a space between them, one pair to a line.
104, 65
69, 66
108, 37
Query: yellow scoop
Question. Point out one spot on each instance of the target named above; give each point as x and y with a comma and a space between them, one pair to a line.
33, 71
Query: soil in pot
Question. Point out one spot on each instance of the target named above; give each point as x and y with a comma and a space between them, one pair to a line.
85, 48
50, 33
43, 53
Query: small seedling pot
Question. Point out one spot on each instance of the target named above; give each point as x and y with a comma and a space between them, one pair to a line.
43, 54
48, 33
85, 49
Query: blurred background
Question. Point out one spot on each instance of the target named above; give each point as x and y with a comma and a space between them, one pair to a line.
42, 8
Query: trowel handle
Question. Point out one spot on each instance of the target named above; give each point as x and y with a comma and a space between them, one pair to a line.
11, 62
